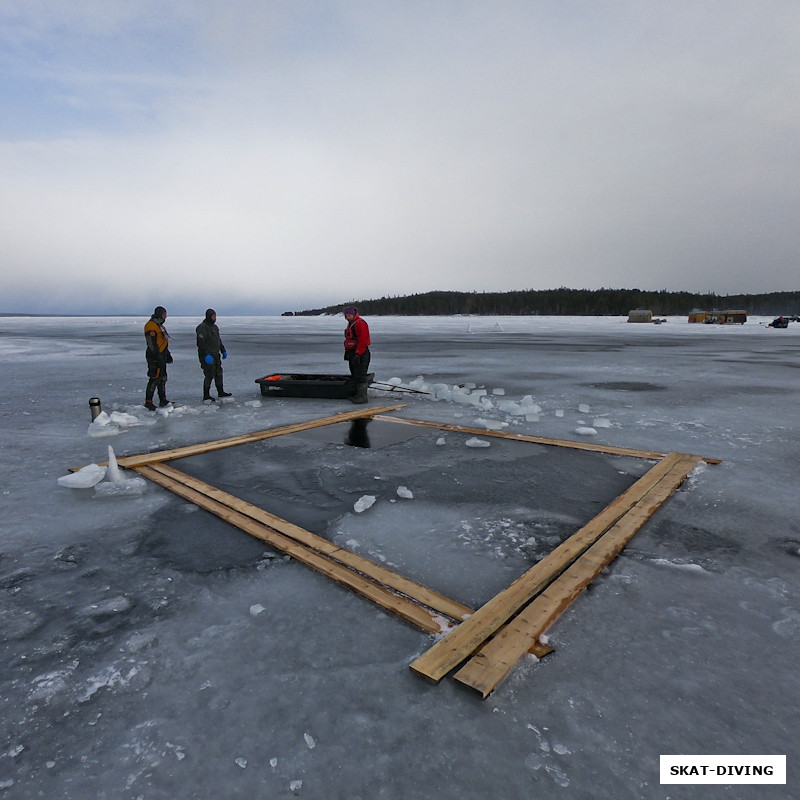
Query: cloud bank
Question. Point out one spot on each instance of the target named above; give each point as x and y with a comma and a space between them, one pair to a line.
261, 156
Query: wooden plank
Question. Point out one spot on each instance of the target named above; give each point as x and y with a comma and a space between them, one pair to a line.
521, 437
402, 606
416, 591
246, 438
460, 643
497, 657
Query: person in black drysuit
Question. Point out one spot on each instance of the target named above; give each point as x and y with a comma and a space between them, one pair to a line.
157, 356
211, 352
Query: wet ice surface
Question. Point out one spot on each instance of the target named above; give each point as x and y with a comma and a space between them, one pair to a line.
134, 664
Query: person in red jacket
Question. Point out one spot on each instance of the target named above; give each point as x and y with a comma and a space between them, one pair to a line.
356, 352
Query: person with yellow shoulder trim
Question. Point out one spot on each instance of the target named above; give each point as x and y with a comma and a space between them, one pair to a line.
157, 356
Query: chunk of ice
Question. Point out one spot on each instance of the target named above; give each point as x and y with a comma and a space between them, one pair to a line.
363, 503
112, 471
121, 488
85, 478
123, 419
490, 424
475, 442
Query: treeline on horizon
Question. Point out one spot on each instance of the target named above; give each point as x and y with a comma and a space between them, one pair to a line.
566, 302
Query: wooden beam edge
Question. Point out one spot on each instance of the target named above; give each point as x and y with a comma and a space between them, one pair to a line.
399, 605
493, 661
458, 645
415, 591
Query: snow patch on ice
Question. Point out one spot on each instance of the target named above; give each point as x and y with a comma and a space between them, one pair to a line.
127, 676
665, 562
47, 686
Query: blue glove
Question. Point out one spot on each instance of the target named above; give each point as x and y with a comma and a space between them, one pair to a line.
209, 359
224, 354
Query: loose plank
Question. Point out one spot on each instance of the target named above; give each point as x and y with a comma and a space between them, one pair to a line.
416, 591
521, 437
401, 606
460, 643
497, 657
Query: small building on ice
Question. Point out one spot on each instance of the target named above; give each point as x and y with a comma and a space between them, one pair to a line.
640, 315
727, 317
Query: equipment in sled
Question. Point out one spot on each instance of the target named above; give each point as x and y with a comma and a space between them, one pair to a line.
779, 322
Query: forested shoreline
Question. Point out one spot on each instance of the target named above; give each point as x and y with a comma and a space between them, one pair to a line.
566, 302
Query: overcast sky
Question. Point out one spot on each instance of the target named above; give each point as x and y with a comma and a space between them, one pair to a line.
263, 156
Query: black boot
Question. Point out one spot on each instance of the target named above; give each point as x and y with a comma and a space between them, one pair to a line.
222, 393
361, 394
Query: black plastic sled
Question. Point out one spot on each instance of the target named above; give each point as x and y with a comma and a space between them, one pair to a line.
333, 387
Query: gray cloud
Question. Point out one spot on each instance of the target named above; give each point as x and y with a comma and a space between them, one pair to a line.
290, 155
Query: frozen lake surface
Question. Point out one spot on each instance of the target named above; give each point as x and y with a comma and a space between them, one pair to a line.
150, 650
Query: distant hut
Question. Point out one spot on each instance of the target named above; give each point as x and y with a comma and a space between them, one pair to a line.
726, 317
640, 315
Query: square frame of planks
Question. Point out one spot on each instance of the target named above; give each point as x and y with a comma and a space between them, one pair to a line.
483, 644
